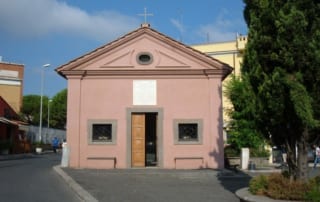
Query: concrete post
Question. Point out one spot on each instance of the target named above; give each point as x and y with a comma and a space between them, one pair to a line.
65, 155
244, 158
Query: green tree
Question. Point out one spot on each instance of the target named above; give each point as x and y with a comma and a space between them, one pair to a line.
242, 131
58, 110
281, 75
30, 110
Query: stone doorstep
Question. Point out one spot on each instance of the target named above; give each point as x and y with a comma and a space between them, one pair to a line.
245, 196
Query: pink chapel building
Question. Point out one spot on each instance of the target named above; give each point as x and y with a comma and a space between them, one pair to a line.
145, 100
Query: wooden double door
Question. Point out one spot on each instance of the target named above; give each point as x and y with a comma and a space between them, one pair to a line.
143, 139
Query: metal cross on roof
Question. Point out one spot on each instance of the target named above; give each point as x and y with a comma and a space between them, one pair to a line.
145, 14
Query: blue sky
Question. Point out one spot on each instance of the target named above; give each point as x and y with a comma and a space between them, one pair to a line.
37, 32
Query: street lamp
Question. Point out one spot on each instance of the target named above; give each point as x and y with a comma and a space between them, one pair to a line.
41, 95
49, 100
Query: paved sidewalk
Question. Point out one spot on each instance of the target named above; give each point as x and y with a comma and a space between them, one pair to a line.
151, 185
157, 185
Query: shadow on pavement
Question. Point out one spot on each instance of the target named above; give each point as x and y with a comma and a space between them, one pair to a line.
232, 179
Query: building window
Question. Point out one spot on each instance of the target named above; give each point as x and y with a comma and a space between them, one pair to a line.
188, 131
144, 58
102, 131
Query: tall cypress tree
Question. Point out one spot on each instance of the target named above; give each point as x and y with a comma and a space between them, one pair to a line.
282, 70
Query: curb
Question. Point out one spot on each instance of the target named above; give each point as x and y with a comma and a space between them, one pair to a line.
263, 171
82, 193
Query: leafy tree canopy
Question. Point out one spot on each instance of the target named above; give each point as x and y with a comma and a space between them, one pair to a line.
56, 107
59, 110
281, 75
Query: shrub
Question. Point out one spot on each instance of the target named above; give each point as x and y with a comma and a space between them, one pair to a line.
231, 151
37, 144
258, 185
314, 193
258, 152
285, 173
279, 186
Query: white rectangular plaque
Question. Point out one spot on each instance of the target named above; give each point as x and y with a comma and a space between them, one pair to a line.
144, 92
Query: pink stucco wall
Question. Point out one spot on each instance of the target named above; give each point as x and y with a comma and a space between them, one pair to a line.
180, 98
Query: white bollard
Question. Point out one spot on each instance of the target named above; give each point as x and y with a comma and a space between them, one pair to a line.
244, 159
65, 155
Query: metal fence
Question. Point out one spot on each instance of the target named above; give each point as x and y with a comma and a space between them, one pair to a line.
47, 134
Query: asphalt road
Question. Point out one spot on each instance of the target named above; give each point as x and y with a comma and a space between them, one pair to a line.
33, 179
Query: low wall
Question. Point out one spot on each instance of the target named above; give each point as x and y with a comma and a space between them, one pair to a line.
233, 161
258, 161
46, 135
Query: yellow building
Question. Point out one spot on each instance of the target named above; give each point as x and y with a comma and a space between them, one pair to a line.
230, 52
11, 84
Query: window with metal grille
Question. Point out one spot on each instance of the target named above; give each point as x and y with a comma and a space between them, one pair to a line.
101, 132
188, 131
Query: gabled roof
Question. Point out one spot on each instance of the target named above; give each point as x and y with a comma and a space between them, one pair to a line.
209, 65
